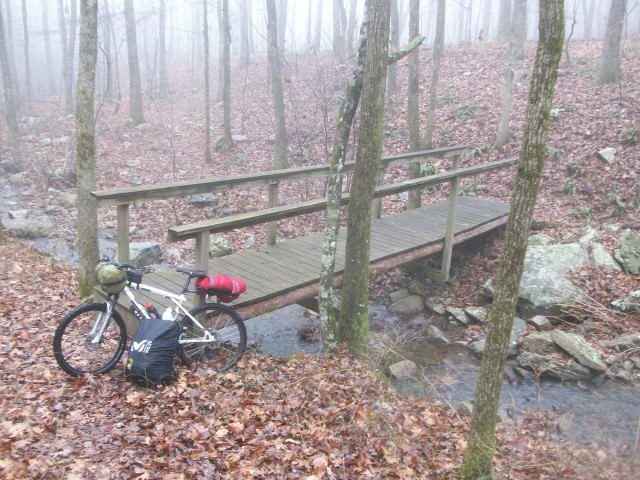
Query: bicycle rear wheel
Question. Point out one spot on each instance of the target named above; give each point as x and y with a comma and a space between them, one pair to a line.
220, 344
73, 345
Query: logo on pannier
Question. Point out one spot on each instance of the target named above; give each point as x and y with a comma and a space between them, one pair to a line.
142, 346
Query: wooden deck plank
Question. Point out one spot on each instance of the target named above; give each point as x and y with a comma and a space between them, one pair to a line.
283, 272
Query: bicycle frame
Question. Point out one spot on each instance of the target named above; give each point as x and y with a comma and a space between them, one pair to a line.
178, 299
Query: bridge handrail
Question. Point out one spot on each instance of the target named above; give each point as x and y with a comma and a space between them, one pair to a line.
216, 225
124, 196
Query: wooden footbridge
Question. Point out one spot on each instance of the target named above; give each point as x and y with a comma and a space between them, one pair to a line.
285, 272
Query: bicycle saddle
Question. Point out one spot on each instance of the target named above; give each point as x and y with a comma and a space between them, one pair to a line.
191, 272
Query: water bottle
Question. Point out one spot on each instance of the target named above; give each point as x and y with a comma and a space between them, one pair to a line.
153, 311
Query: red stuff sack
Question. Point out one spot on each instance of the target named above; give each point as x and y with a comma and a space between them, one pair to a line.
225, 288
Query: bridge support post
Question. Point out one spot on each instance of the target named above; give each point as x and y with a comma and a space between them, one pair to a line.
202, 260
272, 227
451, 223
123, 233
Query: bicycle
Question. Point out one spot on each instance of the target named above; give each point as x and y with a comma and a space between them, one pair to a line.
92, 337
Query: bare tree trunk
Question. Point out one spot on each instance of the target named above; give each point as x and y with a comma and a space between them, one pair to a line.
502, 137
106, 48
227, 140
413, 107
207, 100
7, 82
27, 67
573, 20
67, 61
11, 53
394, 38
351, 26
339, 29
354, 312
504, 21
221, 42
461, 25
136, 113
86, 147
282, 24
51, 86
318, 37
477, 462
486, 19
162, 50
244, 33
587, 12
609, 68
275, 68
438, 50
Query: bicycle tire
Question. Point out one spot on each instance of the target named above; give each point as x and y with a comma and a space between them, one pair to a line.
70, 343
228, 330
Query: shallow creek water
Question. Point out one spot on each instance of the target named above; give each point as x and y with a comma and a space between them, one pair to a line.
605, 413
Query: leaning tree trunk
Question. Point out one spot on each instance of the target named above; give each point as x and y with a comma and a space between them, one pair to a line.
317, 39
354, 312
609, 68
438, 49
86, 147
7, 83
477, 462
413, 107
135, 85
344, 121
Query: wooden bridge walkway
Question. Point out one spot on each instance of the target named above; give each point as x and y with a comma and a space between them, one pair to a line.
288, 272
285, 272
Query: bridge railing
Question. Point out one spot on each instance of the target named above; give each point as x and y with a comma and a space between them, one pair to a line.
201, 231
121, 198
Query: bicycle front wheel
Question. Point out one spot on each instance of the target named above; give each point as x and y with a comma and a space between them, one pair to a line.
79, 351
220, 343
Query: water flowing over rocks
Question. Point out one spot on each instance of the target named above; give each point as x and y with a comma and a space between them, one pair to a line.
579, 349
406, 305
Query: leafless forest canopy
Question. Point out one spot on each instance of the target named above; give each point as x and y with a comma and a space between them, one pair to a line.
309, 25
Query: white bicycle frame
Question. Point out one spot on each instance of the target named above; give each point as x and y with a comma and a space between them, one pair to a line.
177, 298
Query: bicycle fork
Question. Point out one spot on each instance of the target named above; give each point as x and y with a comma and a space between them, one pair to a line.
102, 321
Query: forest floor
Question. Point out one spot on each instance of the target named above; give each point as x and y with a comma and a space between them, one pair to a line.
302, 417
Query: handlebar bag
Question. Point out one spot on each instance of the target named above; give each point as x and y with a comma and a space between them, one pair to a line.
152, 352
110, 278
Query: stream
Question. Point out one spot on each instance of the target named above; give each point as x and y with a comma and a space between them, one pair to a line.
604, 413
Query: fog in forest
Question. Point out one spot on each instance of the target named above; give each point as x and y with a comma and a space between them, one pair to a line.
35, 29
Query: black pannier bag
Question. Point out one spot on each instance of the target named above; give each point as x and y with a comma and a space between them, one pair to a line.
152, 352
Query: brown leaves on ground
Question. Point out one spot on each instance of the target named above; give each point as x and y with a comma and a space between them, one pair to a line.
305, 417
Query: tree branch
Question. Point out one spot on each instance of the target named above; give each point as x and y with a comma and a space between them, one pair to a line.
406, 50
